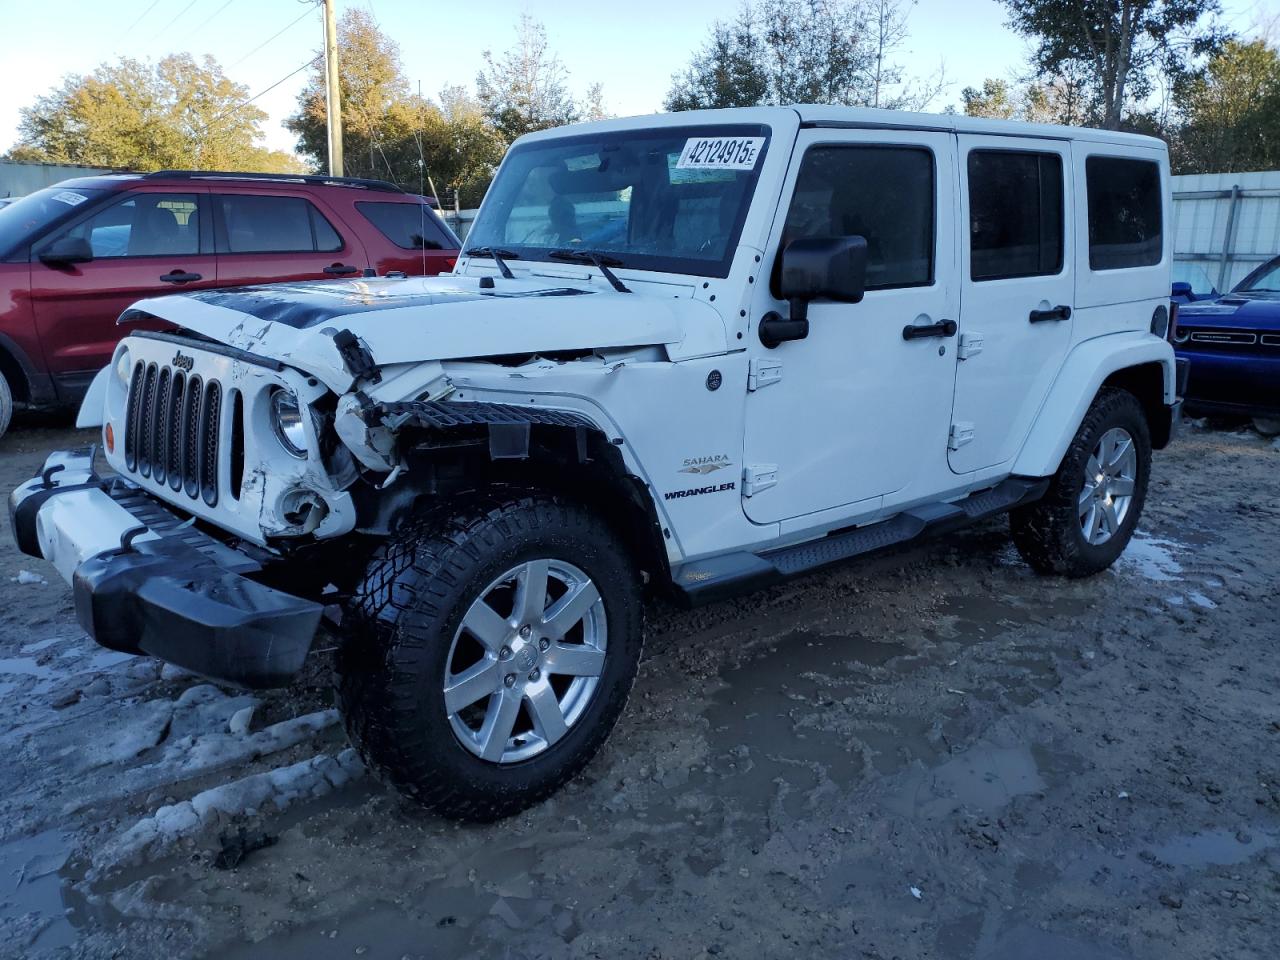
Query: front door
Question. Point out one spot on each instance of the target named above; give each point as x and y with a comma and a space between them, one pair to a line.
145, 244
859, 410
1017, 294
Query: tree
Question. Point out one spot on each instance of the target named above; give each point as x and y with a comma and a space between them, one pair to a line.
525, 89
1124, 47
390, 132
1061, 101
1233, 113
728, 71
802, 51
174, 114
995, 99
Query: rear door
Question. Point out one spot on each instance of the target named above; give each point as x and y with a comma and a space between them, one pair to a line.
271, 237
1017, 292
145, 244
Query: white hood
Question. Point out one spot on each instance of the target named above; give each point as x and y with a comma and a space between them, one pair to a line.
439, 318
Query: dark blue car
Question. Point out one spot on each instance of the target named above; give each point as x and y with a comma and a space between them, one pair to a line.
1233, 343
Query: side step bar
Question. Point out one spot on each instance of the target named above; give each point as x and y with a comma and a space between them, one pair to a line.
730, 574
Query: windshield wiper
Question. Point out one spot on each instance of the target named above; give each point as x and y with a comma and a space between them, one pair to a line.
597, 260
499, 256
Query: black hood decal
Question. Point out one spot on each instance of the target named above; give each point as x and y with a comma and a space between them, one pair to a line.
303, 305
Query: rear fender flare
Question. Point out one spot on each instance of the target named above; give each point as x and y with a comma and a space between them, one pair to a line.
1086, 369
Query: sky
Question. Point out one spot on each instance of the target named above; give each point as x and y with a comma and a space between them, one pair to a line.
630, 48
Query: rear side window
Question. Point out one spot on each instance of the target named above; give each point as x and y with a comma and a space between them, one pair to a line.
251, 223
884, 194
1015, 214
1124, 212
411, 226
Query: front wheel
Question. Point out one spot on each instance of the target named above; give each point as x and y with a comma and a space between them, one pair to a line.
6, 404
1089, 513
489, 653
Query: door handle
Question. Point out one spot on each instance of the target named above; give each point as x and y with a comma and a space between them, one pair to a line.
340, 270
177, 276
1060, 312
943, 328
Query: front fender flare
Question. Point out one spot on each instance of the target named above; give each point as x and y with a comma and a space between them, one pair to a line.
1086, 368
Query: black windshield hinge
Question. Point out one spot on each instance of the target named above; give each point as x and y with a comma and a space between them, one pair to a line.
356, 357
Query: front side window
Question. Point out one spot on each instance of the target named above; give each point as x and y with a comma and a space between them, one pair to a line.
669, 199
884, 194
254, 223
1124, 213
26, 218
143, 225
1015, 214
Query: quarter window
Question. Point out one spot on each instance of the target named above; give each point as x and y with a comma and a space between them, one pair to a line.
252, 223
1015, 214
884, 194
411, 226
1124, 213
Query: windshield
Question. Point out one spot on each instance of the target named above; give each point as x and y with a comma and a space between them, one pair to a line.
1264, 280
29, 216
671, 200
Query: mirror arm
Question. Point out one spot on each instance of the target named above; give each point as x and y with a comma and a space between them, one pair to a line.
775, 330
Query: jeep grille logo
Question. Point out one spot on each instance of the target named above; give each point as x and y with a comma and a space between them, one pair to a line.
183, 362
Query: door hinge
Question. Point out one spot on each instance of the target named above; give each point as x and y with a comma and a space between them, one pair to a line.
757, 477
961, 433
970, 345
762, 373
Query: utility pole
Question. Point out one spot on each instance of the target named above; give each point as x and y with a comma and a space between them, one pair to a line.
332, 90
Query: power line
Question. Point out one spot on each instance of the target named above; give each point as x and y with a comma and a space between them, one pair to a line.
215, 13
137, 20
305, 14
162, 30
245, 103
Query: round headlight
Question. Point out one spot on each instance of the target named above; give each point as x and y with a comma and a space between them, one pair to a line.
286, 421
122, 366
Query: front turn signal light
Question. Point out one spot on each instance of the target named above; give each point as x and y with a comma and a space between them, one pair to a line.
109, 438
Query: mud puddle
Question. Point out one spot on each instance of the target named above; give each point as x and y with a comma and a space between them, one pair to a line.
33, 888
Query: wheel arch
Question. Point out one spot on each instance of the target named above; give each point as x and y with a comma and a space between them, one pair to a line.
1139, 363
577, 462
14, 370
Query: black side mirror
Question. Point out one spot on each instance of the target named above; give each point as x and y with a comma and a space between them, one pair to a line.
67, 250
815, 268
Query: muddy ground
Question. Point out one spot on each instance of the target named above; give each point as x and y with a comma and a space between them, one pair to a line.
935, 754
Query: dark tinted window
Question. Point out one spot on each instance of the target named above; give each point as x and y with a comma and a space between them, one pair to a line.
1124, 212
408, 225
1015, 214
143, 225
257, 224
884, 194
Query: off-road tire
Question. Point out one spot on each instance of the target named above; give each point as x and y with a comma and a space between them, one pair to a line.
6, 404
1047, 533
397, 630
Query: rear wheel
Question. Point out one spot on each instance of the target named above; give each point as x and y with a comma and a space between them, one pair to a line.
1093, 504
489, 653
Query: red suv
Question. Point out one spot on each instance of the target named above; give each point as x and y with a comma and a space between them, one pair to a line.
75, 255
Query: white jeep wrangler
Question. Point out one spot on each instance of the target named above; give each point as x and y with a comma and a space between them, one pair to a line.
702, 352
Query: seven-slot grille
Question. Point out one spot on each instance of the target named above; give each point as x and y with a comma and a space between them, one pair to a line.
172, 426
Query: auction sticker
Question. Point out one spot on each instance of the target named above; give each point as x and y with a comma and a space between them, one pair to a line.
69, 198
720, 153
